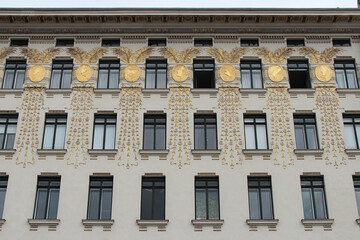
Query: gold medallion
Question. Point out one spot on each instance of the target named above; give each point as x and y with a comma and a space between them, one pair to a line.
179, 73
276, 73
37, 73
323, 73
132, 73
84, 73
228, 73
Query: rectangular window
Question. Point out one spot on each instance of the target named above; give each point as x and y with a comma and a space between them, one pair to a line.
61, 74
3, 186
7, 131
249, 42
203, 42
110, 42
345, 72
155, 132
313, 197
108, 74
251, 76
47, 198
305, 132
207, 205
68, 42
204, 74
352, 131
157, 42
14, 74
156, 72
260, 198
299, 74
54, 133
153, 198
19, 42
104, 132
295, 42
205, 132
342, 42
100, 198
255, 132
357, 192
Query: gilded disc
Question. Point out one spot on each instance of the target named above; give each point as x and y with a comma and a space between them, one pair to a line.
37, 73
132, 73
323, 73
276, 73
84, 73
228, 73
179, 73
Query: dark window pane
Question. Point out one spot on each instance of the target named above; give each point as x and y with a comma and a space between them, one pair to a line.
40, 208
160, 137
213, 202
146, 204
266, 203
199, 137
2, 201
254, 204
94, 204
308, 204
106, 199
320, 203
159, 204
53, 203
200, 204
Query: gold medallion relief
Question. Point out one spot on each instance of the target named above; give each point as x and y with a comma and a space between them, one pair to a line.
37, 73
228, 73
276, 73
132, 73
84, 73
323, 73
180, 73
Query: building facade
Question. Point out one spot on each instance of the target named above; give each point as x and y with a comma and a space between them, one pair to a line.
179, 123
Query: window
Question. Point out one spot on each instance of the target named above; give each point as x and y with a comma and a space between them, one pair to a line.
251, 74
54, 133
345, 72
47, 198
14, 75
157, 42
65, 42
204, 74
110, 42
7, 131
155, 74
207, 198
205, 132
341, 42
313, 197
356, 186
104, 132
109, 74
203, 42
61, 74
305, 132
299, 74
255, 132
154, 132
260, 198
352, 131
153, 198
249, 42
100, 198
3, 186
295, 42
19, 42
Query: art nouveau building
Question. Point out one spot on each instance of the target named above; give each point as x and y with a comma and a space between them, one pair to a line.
179, 123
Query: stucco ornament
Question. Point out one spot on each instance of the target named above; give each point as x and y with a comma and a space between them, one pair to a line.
37, 73
180, 73
228, 73
323, 73
84, 73
132, 73
276, 73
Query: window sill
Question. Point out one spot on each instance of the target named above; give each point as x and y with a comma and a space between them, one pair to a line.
2, 221
257, 151
160, 224
153, 152
348, 90
325, 223
205, 90
107, 90
11, 91
199, 224
213, 153
270, 223
106, 224
7, 151
51, 151
50, 223
155, 90
353, 151
302, 90
102, 152
308, 151
253, 90
58, 90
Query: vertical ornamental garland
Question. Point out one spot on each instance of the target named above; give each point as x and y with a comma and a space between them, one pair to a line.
28, 140
230, 142
180, 141
331, 139
78, 137
129, 137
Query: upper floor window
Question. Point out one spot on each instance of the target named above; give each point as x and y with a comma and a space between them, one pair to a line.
251, 74
111, 42
249, 42
108, 74
100, 198
342, 42
3, 186
160, 42
153, 198
7, 131
54, 133
255, 132
155, 132
61, 74
207, 204
19, 42
156, 74
295, 42
352, 131
64, 42
305, 132
299, 74
345, 72
199, 42
204, 74
47, 198
357, 192
205, 132
313, 197
260, 198
104, 132
14, 75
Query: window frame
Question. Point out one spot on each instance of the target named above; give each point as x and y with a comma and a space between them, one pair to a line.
206, 187
154, 117
157, 63
102, 179
345, 68
110, 42
304, 124
356, 181
157, 42
254, 123
7, 123
16, 69
3, 186
204, 69
64, 42
249, 42
203, 42
295, 42
62, 62
19, 42
299, 69
109, 68
57, 117
259, 188
341, 42
106, 117
251, 62
205, 117
353, 123
153, 187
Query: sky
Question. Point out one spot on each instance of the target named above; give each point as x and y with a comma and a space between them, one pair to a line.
176, 4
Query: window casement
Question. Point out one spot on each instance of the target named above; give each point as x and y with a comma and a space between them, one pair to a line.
100, 198
157, 42
255, 132
54, 133
313, 197
305, 132
251, 76
110, 42
156, 71
207, 204
356, 180
104, 132
109, 71
345, 42
203, 42
204, 74
153, 198
154, 132
352, 131
260, 198
299, 74
3, 186
47, 198
205, 132
61, 74
345, 72
18, 42
297, 42
64, 42
249, 42
14, 74
8, 125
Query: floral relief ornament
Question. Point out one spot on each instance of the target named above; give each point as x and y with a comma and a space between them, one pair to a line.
37, 73
180, 73
84, 73
276, 73
228, 73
